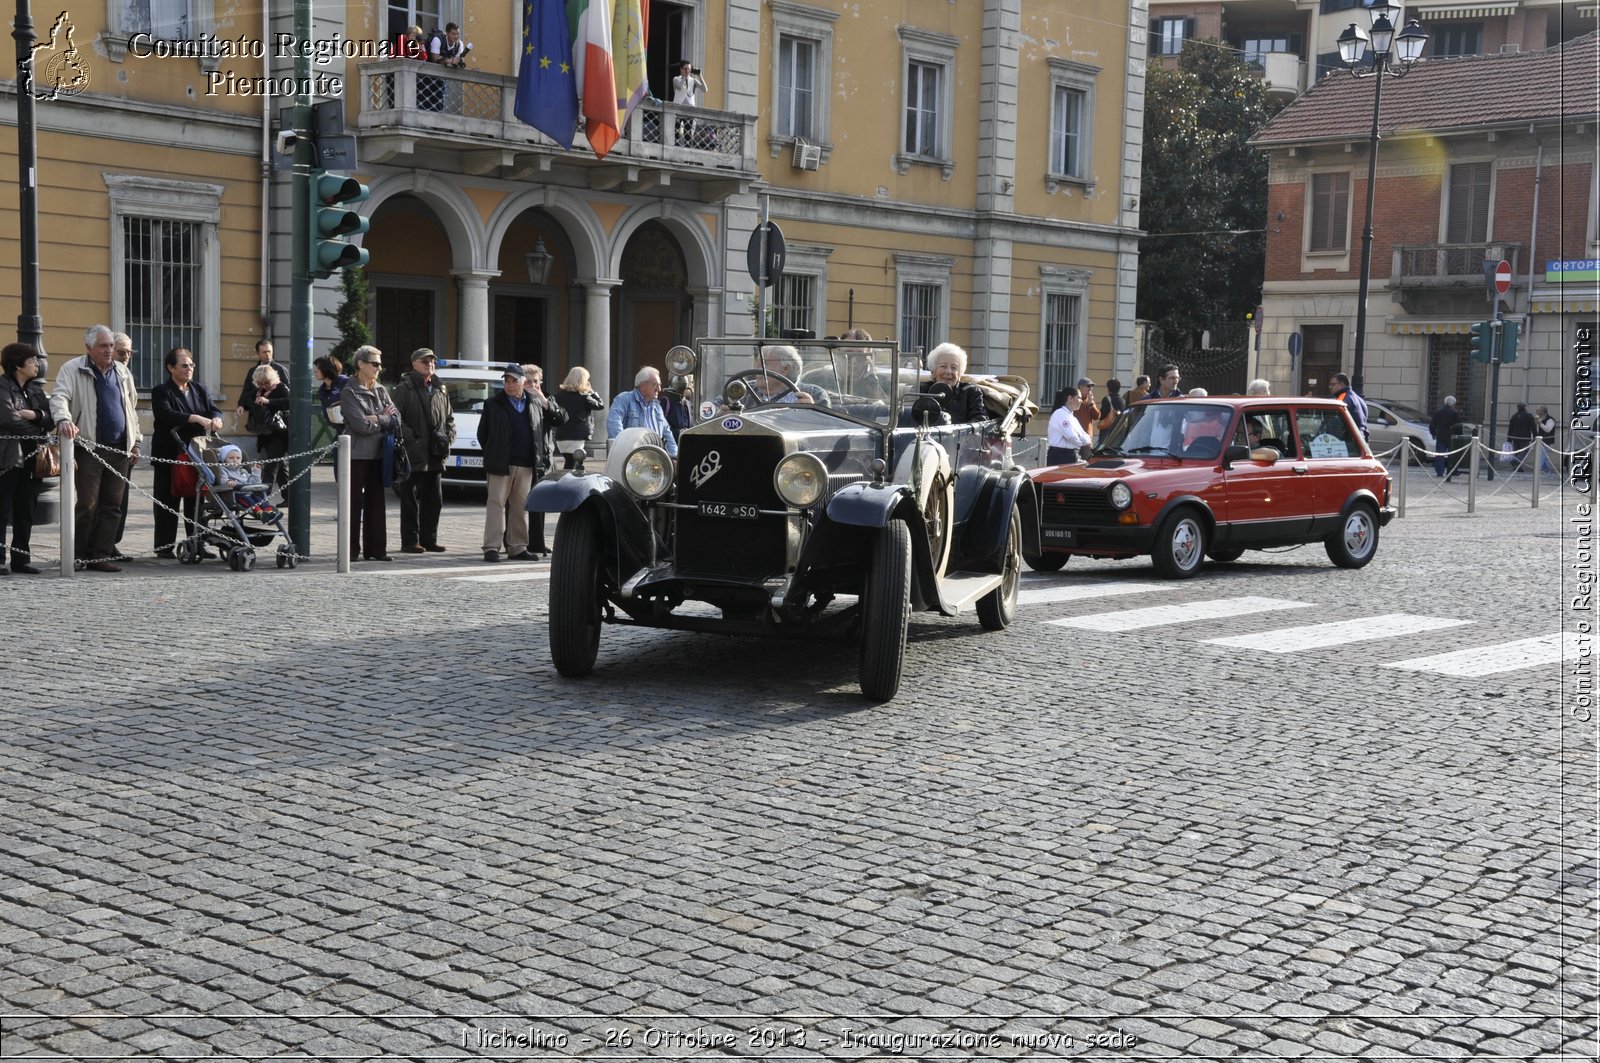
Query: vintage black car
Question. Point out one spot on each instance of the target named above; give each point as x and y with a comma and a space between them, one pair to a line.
794, 508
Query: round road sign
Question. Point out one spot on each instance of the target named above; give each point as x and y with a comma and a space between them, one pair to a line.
1502, 277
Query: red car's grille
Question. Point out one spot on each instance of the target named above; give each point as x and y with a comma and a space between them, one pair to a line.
1065, 506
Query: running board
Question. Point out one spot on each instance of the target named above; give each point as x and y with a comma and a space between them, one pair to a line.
961, 590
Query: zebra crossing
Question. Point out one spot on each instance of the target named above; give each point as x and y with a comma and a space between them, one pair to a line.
1106, 612
1492, 658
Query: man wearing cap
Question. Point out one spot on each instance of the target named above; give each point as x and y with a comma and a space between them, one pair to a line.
509, 433
427, 428
1088, 411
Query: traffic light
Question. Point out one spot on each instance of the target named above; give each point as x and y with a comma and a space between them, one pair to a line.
1508, 342
331, 223
1481, 341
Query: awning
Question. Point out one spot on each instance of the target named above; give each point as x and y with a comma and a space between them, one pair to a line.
1464, 11
1575, 304
1421, 327
1587, 10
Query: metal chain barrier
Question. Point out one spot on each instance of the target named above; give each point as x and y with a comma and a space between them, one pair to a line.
69, 458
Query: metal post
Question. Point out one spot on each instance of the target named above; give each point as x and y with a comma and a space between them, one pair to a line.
761, 284
30, 326
1472, 476
301, 331
69, 507
1400, 484
1358, 367
1495, 330
341, 494
1537, 454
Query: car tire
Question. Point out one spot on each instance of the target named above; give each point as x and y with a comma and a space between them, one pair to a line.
1225, 557
575, 594
1180, 545
1356, 541
1046, 562
885, 609
998, 608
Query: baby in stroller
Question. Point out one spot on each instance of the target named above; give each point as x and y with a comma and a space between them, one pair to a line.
233, 470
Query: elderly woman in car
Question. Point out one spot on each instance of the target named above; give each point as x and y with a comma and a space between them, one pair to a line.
962, 401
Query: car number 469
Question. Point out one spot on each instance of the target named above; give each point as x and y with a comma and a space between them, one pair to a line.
727, 509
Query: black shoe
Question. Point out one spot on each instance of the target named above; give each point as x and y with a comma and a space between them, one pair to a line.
491, 555
435, 548
521, 555
412, 549
379, 557
166, 554
24, 570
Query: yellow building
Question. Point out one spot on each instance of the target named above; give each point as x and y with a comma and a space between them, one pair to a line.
941, 170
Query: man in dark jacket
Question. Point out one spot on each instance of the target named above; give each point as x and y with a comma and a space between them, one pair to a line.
1520, 432
1340, 387
1442, 428
182, 410
427, 428
511, 433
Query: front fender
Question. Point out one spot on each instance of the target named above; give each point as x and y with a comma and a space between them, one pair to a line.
866, 505
628, 539
568, 493
986, 523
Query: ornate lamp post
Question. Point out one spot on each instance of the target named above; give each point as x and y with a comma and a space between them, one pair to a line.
1374, 55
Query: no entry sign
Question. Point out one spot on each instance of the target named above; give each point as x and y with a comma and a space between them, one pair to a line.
1502, 277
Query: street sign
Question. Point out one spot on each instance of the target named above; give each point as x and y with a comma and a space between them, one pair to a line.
776, 252
1294, 344
1502, 276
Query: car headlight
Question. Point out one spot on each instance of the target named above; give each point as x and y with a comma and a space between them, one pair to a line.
1121, 497
647, 472
800, 479
680, 361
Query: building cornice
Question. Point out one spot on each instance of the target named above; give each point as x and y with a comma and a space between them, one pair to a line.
141, 122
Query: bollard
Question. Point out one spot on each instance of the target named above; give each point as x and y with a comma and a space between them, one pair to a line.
1472, 477
341, 493
1537, 453
1400, 488
69, 507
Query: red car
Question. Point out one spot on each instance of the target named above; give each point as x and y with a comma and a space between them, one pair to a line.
1184, 479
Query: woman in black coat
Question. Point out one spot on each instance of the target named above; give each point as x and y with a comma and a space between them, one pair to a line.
24, 413
183, 410
578, 399
962, 401
269, 420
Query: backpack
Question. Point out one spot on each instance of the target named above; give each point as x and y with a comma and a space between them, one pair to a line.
434, 42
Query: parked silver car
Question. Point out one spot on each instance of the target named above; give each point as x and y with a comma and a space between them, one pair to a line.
1389, 422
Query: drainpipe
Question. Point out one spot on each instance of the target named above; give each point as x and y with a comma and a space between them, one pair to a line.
1524, 342
266, 177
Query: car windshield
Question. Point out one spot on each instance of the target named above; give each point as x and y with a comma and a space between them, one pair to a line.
1169, 429
869, 381
468, 396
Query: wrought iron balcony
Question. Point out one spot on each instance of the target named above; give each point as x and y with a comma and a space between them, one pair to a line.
1448, 265
423, 111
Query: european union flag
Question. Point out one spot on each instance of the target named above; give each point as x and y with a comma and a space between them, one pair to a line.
547, 90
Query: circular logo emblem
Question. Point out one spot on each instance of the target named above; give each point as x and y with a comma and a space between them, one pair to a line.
708, 409
732, 424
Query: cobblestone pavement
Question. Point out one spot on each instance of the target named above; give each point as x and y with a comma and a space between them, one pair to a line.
365, 818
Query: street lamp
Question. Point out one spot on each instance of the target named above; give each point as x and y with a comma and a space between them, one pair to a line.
539, 262
1367, 55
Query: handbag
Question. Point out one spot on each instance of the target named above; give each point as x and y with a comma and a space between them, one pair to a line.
185, 477
396, 462
47, 461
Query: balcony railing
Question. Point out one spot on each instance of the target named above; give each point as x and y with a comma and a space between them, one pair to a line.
405, 103
1449, 265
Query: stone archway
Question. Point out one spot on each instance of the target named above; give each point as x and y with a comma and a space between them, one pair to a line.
653, 308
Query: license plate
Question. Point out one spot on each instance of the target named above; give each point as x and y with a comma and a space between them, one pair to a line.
738, 511
469, 461
1058, 536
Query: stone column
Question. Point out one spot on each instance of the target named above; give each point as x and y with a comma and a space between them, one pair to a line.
472, 313
596, 355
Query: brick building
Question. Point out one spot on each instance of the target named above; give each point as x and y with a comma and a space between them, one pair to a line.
1483, 158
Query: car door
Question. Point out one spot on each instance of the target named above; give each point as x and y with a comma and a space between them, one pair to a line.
1334, 459
1268, 501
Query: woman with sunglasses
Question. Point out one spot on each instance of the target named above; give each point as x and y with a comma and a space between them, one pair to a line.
183, 410
369, 415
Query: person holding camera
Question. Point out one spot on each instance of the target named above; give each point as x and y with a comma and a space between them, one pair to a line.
449, 49
427, 428
686, 90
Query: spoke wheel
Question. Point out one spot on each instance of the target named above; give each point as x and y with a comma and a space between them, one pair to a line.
936, 518
575, 594
998, 608
1180, 545
885, 609
1356, 541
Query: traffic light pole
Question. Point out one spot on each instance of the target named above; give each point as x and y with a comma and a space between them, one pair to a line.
300, 322
1496, 329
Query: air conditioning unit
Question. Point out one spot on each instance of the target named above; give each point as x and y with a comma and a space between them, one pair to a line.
807, 156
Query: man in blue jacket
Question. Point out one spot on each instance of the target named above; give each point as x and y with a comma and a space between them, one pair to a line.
641, 408
1341, 389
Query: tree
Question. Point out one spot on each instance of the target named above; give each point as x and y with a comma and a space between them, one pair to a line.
1203, 194
351, 317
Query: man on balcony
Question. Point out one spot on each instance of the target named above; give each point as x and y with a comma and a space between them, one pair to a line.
686, 90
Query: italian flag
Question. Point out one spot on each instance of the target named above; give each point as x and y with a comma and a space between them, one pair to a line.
597, 89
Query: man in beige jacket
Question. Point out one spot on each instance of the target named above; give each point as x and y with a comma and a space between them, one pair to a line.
95, 404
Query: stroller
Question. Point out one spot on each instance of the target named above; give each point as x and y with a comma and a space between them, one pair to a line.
233, 513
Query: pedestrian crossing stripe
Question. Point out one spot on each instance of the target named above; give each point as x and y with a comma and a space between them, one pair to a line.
1337, 633
505, 577
1157, 615
1081, 591
449, 571
1503, 657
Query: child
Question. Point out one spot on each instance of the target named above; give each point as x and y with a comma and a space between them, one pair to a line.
234, 471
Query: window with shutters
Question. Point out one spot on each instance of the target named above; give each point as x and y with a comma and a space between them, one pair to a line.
1328, 216
801, 74
922, 109
929, 61
1467, 207
797, 79
1168, 34
1071, 122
